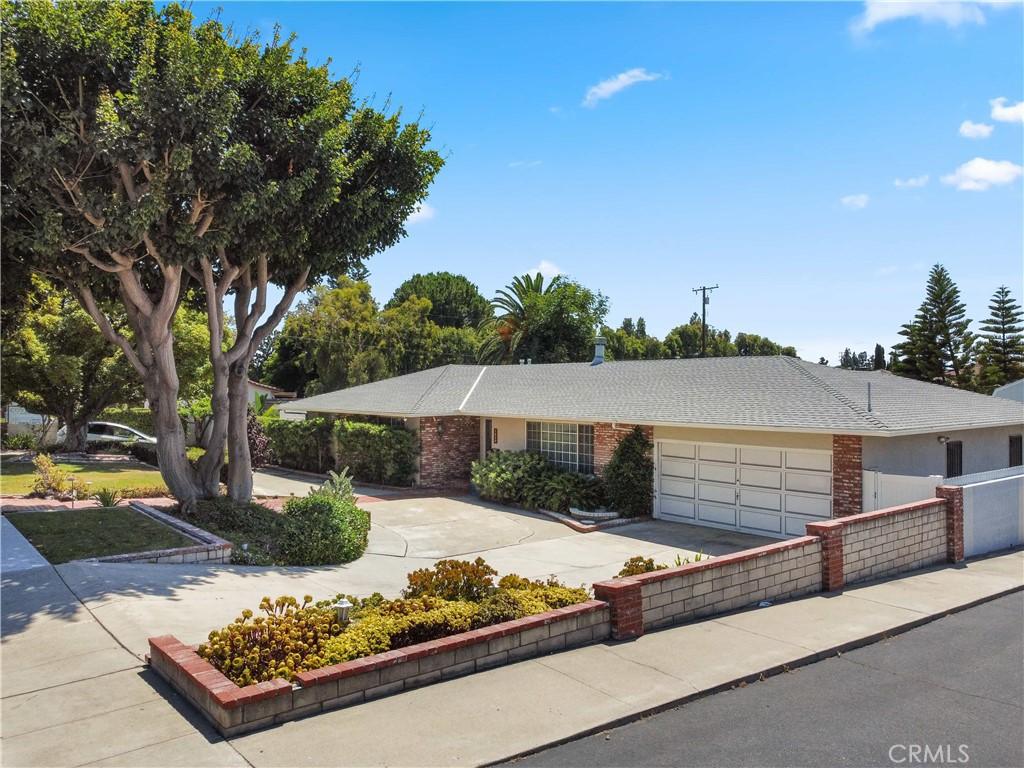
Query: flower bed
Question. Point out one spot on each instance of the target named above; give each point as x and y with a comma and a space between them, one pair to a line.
298, 659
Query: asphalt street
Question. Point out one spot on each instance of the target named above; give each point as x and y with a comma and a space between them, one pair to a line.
948, 693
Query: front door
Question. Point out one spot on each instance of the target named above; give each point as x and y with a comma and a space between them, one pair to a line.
488, 432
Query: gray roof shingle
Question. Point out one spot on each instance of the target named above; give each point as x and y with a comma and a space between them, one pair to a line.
739, 392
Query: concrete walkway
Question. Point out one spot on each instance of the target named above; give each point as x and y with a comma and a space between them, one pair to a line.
73, 695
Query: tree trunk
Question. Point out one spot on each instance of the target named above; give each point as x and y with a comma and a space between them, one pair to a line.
239, 458
162, 391
215, 434
75, 439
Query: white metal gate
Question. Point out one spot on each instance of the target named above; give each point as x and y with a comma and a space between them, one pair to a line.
756, 489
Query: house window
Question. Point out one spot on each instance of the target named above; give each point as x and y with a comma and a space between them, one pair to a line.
1016, 452
567, 446
954, 458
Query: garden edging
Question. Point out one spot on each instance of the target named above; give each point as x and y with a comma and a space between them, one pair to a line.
234, 710
207, 549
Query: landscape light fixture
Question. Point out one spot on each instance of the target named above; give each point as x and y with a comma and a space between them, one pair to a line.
341, 608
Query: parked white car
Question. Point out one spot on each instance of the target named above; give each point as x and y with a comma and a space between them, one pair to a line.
109, 432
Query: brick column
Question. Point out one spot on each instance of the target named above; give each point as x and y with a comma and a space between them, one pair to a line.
831, 535
626, 602
606, 438
954, 498
847, 475
448, 444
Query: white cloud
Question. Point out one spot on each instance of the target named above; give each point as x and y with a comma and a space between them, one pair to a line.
608, 88
979, 174
422, 212
911, 183
1014, 113
970, 130
952, 14
549, 269
525, 163
554, 110
855, 202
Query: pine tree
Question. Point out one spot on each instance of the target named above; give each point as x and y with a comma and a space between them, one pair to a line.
939, 346
879, 359
1002, 348
641, 328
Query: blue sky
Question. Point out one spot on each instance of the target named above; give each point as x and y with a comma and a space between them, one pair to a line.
646, 149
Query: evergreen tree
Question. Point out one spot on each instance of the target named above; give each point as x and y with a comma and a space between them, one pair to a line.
939, 346
1002, 347
879, 358
641, 328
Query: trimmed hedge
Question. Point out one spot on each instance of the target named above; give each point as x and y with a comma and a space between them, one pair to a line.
323, 528
528, 479
376, 453
304, 445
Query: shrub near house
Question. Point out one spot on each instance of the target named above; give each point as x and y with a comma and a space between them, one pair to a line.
528, 479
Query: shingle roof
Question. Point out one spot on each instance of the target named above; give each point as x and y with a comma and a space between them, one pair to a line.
738, 392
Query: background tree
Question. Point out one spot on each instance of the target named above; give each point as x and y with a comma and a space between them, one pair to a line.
1002, 346
454, 301
55, 362
145, 154
551, 323
938, 344
878, 359
855, 361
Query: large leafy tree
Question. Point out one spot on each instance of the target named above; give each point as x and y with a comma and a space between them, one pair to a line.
552, 323
454, 301
340, 338
1002, 345
56, 362
938, 345
146, 155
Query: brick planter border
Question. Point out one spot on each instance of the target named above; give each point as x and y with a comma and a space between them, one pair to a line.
234, 710
207, 549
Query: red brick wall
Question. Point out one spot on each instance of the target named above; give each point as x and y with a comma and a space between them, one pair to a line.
847, 475
954, 498
447, 446
607, 437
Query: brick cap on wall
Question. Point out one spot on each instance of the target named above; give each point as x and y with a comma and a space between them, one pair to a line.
621, 584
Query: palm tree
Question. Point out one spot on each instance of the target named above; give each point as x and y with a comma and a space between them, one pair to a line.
514, 310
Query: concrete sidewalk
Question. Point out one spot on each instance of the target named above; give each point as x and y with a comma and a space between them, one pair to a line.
72, 695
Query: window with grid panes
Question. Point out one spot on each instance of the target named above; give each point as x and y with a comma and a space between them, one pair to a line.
567, 446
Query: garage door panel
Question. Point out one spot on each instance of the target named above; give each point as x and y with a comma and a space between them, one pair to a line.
759, 489
760, 521
797, 526
764, 457
808, 483
679, 450
723, 453
715, 513
761, 499
677, 487
723, 494
676, 467
819, 462
808, 505
717, 473
676, 508
762, 478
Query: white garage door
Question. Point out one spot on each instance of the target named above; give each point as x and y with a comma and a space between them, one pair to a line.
769, 491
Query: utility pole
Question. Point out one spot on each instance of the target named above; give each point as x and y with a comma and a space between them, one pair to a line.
703, 291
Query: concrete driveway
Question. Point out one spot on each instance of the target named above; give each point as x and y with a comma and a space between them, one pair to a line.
137, 601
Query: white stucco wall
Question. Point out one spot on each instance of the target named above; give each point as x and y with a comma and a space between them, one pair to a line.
769, 438
984, 449
511, 434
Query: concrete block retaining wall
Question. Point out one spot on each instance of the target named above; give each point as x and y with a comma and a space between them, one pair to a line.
234, 710
788, 569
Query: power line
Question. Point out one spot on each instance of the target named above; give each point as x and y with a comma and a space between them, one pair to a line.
703, 291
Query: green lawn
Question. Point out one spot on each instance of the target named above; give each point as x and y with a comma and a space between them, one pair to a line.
17, 477
72, 534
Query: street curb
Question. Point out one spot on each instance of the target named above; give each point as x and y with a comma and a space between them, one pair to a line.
761, 675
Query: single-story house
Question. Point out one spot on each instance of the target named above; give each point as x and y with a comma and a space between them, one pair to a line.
273, 394
758, 444
1012, 391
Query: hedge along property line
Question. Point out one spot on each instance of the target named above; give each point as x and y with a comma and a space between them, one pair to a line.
208, 548
869, 545
234, 710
